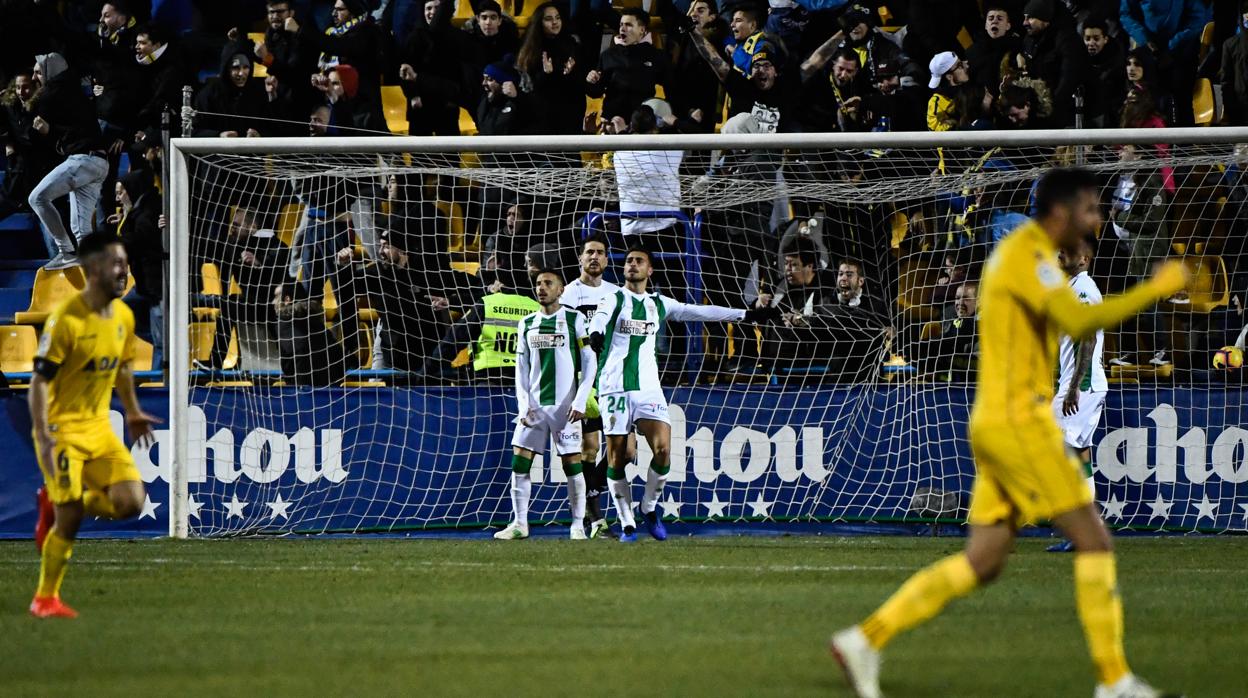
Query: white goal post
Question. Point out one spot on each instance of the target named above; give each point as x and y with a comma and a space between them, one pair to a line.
1135, 455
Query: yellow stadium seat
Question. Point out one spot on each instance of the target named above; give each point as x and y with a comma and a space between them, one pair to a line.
50, 289
259, 70
931, 330
1203, 107
143, 354
463, 358
288, 222
370, 383
330, 302
1206, 40
467, 267
1209, 287
467, 125
202, 335
18, 344
463, 13
455, 216
366, 345
394, 104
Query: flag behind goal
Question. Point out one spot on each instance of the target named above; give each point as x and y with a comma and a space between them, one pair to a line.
334, 369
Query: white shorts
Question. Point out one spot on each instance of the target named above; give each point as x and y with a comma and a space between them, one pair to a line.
620, 411
1079, 427
535, 438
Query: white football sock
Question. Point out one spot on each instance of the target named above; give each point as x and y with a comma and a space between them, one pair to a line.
654, 490
521, 487
576, 498
623, 503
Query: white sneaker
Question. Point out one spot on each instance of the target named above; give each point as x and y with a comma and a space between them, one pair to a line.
1129, 686
577, 532
514, 531
62, 260
1120, 361
1159, 359
860, 661
598, 528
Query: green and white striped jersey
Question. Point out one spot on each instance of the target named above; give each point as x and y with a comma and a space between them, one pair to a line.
555, 366
1068, 349
631, 323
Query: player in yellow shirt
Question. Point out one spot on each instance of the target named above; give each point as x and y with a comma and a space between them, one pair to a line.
86, 349
1023, 473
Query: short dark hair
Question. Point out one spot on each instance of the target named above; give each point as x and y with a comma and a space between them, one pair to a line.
848, 54
642, 120
751, 13
804, 249
640, 247
155, 32
489, 6
850, 261
643, 17
1016, 97
1095, 22
711, 6
597, 237
1061, 186
548, 270
97, 242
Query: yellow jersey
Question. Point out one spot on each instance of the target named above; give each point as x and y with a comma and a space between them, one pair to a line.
86, 348
1017, 338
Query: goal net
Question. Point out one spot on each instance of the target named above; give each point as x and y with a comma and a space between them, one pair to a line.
343, 308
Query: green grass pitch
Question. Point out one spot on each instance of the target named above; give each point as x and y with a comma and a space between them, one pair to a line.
699, 616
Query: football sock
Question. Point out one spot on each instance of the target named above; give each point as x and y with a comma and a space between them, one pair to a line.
52, 564
622, 497
1100, 611
576, 497
521, 487
97, 503
920, 598
656, 478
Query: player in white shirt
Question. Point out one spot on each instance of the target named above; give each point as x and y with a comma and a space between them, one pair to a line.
623, 331
1082, 385
584, 294
555, 371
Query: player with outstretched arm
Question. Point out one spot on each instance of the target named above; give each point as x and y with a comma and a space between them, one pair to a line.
624, 332
1023, 472
555, 371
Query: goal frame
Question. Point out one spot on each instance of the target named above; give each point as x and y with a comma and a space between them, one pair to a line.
178, 339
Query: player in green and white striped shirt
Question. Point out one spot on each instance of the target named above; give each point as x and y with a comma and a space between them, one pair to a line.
555, 371
624, 331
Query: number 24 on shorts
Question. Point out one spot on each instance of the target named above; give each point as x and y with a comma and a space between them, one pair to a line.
617, 404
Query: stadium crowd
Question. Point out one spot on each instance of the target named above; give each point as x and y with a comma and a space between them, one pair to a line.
84, 88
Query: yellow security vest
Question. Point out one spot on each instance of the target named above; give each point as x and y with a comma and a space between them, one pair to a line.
496, 347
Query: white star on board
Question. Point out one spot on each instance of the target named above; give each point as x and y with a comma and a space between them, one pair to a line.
1205, 508
1245, 508
1160, 508
149, 508
671, 507
760, 506
1113, 508
193, 506
714, 508
278, 508
234, 507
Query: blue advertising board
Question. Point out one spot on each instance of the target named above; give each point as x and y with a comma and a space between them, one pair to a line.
369, 459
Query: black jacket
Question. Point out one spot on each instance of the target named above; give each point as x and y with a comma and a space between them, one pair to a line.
985, 55
1060, 59
292, 64
1106, 75
140, 234
244, 106
162, 82
433, 52
629, 74
559, 99
477, 51
70, 115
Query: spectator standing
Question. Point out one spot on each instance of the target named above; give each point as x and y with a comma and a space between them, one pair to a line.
162, 72
956, 103
892, 106
1234, 75
998, 43
63, 113
1055, 55
233, 103
349, 110
28, 154
1107, 64
503, 111
487, 39
285, 60
629, 68
354, 40
851, 283
766, 96
745, 37
1170, 30
430, 74
143, 238
873, 46
835, 103
695, 93
550, 73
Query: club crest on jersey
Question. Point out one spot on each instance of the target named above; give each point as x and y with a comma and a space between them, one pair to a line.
638, 327
547, 341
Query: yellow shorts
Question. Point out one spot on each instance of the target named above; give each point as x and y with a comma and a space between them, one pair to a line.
90, 457
1023, 474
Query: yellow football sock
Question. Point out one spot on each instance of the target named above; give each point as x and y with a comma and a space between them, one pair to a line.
920, 598
53, 562
97, 503
1100, 611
